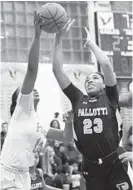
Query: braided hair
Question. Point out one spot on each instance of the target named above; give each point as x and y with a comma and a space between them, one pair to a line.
14, 100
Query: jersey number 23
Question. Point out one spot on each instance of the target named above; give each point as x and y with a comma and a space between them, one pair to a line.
95, 126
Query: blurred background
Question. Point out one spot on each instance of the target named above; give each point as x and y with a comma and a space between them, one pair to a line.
110, 24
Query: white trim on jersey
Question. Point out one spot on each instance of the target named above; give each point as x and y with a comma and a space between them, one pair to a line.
118, 117
119, 122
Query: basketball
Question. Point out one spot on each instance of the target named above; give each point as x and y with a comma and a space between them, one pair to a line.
54, 17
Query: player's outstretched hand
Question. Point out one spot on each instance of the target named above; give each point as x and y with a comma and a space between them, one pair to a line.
37, 23
88, 38
66, 28
126, 156
68, 117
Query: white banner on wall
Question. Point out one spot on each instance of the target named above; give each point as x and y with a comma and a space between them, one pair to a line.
51, 98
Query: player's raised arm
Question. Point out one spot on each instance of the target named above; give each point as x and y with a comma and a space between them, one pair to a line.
33, 59
103, 59
57, 59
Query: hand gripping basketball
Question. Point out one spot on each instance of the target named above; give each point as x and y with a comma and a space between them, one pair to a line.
66, 28
37, 23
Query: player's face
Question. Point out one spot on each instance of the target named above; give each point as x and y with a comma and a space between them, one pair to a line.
94, 84
36, 158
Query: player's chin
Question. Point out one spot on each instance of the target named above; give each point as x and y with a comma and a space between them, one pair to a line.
92, 92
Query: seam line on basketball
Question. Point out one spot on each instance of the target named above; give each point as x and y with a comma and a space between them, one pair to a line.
52, 26
53, 21
53, 18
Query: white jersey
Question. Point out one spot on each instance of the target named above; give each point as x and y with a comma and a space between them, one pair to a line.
24, 136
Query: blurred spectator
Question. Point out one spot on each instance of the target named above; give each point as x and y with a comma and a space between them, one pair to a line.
73, 152
48, 160
128, 155
55, 124
62, 154
130, 139
56, 145
56, 114
36, 174
75, 175
63, 178
37, 181
4, 129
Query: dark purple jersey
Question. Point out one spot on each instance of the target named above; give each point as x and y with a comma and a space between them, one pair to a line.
36, 182
96, 122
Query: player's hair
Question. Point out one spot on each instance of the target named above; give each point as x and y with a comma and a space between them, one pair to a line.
14, 100
99, 73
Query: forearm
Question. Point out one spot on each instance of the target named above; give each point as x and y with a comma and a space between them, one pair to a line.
68, 133
57, 56
34, 54
32, 68
55, 134
101, 57
61, 135
104, 61
57, 63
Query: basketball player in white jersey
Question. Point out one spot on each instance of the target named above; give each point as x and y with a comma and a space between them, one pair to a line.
17, 152
25, 136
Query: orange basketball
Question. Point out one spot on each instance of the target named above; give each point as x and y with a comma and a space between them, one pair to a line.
54, 17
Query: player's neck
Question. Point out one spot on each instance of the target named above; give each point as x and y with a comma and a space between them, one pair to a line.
95, 96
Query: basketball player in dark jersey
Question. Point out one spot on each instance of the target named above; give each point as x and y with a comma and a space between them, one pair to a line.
96, 120
36, 174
